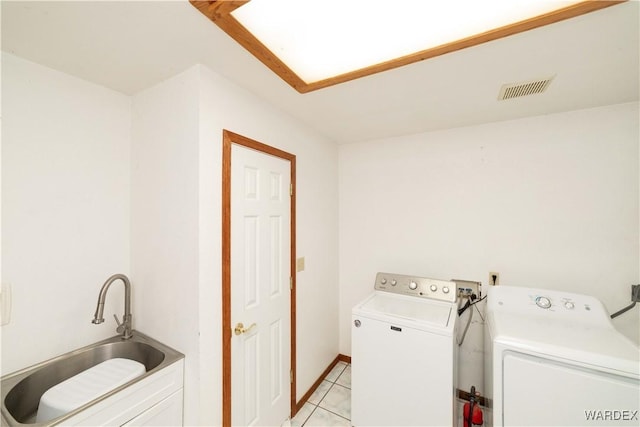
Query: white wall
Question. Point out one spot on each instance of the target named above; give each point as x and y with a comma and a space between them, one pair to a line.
82, 165
164, 220
176, 242
65, 209
226, 106
548, 202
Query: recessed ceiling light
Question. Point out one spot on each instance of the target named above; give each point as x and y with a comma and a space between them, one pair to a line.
315, 44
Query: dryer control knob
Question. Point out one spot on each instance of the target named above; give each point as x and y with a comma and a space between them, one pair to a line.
413, 285
569, 305
383, 281
394, 282
445, 290
433, 288
543, 302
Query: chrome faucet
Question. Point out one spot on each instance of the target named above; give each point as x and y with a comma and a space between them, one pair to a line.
125, 327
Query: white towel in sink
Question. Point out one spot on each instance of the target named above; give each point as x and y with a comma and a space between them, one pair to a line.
86, 386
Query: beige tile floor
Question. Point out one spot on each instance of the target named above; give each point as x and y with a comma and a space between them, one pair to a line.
330, 404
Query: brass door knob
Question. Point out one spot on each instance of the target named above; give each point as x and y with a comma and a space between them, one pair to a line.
240, 329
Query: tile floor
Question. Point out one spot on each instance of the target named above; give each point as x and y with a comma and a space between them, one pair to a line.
330, 404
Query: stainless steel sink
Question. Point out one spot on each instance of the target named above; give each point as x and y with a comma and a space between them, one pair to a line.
21, 391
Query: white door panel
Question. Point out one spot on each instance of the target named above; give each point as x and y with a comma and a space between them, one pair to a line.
260, 293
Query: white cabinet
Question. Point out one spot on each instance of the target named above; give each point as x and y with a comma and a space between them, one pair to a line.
156, 400
166, 413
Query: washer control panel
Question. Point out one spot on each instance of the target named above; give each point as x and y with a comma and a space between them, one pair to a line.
423, 287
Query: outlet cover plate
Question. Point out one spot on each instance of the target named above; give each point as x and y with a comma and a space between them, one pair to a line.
5, 304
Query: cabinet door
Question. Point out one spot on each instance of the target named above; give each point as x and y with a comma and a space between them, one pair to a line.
167, 412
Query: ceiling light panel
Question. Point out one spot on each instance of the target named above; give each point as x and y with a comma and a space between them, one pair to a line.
323, 39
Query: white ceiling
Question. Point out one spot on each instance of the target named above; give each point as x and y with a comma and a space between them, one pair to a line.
130, 46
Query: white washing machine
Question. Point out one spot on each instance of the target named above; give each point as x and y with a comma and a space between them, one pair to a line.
404, 353
555, 359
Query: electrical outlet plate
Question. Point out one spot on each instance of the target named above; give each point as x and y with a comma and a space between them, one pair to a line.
5, 304
491, 281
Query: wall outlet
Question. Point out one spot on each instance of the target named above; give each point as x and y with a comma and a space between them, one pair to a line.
494, 278
5, 304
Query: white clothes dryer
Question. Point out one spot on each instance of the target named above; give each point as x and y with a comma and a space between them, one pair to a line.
404, 353
555, 359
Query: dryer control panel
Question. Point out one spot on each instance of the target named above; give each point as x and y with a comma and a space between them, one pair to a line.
547, 303
423, 287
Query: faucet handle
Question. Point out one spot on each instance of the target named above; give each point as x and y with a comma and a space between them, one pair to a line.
120, 327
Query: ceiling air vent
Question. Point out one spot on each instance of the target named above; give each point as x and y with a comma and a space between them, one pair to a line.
516, 90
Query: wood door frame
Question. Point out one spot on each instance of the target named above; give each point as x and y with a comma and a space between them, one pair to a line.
229, 138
